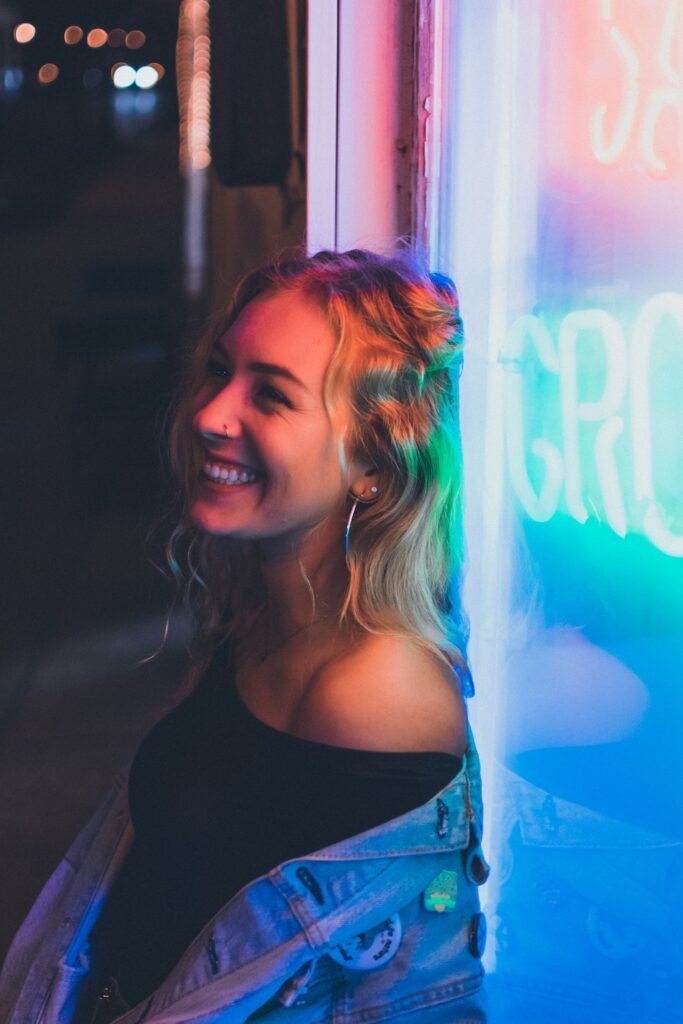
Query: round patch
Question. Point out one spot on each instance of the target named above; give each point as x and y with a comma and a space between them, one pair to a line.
371, 949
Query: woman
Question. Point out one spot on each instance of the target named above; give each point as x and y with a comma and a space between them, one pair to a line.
300, 836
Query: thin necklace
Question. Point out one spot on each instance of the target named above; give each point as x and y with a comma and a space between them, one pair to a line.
264, 655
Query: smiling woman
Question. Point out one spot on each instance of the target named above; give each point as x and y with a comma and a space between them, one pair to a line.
312, 807
280, 434
358, 339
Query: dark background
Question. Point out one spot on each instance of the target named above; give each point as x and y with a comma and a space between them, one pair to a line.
92, 326
92, 320
95, 321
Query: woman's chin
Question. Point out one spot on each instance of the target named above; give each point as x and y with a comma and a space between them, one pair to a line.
208, 519
215, 507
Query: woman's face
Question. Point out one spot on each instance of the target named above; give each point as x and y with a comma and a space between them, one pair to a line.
264, 385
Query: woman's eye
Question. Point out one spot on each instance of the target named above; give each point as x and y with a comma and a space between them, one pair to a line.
274, 394
216, 369
266, 391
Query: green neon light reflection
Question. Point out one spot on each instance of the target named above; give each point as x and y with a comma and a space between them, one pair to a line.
594, 417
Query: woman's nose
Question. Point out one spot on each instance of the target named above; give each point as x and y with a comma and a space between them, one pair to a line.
218, 418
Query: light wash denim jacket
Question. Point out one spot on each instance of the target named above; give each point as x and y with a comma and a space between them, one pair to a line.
383, 923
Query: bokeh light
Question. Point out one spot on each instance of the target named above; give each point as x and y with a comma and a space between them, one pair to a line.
159, 68
92, 78
11, 81
96, 37
124, 76
146, 77
72, 35
48, 73
117, 37
193, 61
24, 32
135, 39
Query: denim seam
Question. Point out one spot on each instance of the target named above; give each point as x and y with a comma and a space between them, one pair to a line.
415, 851
307, 922
203, 985
46, 996
407, 1004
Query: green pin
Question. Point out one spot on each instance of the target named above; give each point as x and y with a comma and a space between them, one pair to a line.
442, 892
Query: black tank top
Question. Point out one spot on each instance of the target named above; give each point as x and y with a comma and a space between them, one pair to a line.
218, 798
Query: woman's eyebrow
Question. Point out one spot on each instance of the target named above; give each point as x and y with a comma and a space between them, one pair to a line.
278, 371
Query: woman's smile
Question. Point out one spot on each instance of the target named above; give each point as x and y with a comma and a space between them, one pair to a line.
229, 474
274, 445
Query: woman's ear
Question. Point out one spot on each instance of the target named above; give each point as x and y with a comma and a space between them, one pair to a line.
365, 483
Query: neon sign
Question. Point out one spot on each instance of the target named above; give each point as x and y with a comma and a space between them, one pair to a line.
645, 96
615, 475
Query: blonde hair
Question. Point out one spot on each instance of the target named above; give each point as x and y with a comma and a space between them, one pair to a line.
397, 361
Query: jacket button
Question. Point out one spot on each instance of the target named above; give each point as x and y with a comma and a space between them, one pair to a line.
477, 870
477, 935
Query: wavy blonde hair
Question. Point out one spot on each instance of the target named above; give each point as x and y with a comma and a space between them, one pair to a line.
397, 361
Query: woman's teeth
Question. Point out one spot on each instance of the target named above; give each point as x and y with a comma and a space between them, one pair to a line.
221, 475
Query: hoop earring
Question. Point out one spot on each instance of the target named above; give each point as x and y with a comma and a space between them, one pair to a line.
356, 502
348, 527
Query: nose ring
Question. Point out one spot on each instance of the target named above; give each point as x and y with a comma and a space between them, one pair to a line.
227, 435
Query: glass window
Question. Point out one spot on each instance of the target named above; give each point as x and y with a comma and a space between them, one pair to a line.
559, 213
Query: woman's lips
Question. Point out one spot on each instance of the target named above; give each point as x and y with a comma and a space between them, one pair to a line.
232, 472
221, 488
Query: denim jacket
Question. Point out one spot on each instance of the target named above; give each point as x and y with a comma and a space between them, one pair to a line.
380, 924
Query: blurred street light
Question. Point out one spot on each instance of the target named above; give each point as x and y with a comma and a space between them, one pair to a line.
48, 73
96, 37
124, 76
146, 77
135, 39
73, 35
24, 32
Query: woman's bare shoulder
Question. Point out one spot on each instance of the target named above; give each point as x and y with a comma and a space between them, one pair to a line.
385, 693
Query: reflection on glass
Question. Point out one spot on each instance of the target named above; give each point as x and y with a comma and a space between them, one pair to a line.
562, 228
